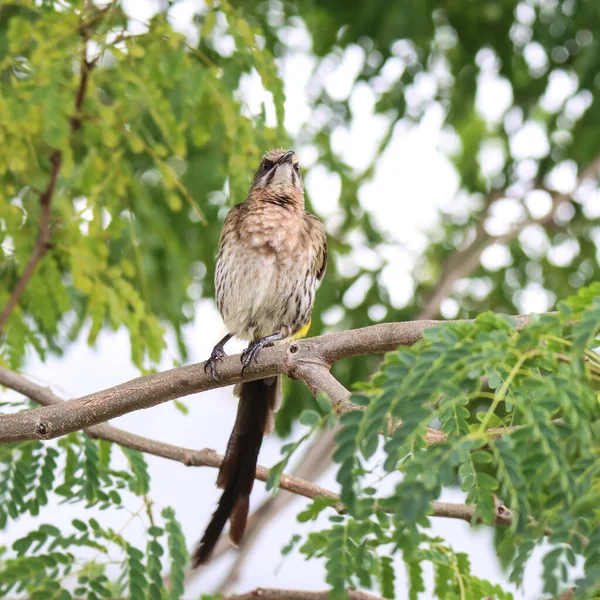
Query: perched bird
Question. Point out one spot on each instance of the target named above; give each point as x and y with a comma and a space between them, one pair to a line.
271, 254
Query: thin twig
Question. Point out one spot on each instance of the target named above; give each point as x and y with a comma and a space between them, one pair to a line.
191, 458
42, 243
209, 458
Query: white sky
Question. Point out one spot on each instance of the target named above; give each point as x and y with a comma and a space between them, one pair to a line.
412, 181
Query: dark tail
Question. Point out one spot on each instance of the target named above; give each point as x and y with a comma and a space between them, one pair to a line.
258, 400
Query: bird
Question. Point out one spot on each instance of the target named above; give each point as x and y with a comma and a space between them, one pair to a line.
272, 252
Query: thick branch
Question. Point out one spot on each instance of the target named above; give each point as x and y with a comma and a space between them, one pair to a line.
191, 458
317, 378
291, 359
298, 359
279, 594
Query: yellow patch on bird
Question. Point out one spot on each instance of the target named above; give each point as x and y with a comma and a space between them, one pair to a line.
300, 333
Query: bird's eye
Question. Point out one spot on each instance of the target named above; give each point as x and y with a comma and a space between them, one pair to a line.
297, 167
267, 164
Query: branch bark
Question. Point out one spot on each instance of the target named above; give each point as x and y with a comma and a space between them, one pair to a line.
191, 458
305, 359
42, 242
280, 594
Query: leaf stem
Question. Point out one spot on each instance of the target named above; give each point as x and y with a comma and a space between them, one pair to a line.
502, 392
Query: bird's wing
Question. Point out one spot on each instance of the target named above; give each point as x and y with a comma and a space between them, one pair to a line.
229, 224
318, 237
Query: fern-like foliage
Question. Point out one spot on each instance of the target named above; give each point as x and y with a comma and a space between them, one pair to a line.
521, 416
47, 562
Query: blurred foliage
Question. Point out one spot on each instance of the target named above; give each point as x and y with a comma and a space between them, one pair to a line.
165, 147
165, 142
46, 562
137, 211
443, 53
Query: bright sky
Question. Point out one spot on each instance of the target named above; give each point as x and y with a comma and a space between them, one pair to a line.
413, 179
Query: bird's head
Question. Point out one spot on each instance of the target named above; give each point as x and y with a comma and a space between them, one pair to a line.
278, 178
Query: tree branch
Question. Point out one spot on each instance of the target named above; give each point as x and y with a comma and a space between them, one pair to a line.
279, 594
461, 263
42, 242
293, 359
209, 458
191, 458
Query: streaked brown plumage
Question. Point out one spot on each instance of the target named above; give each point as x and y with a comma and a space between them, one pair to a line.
271, 254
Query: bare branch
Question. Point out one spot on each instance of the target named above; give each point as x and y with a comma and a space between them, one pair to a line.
461, 263
209, 458
191, 458
42, 242
317, 378
279, 594
54, 421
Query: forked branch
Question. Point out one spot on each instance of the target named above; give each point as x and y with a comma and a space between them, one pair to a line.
308, 360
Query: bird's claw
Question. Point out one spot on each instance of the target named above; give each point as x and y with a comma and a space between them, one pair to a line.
250, 354
210, 365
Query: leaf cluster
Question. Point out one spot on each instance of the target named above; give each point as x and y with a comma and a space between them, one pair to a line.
520, 412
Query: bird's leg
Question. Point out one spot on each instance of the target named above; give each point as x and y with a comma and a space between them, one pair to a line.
217, 354
251, 352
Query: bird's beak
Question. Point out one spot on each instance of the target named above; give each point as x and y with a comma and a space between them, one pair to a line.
287, 157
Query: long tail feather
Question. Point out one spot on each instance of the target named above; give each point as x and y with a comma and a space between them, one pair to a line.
258, 400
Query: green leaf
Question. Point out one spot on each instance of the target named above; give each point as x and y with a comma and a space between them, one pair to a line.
181, 407
309, 418
178, 554
140, 483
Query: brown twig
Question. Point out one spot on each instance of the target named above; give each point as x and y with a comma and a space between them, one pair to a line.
568, 595
42, 242
461, 263
191, 458
209, 458
307, 359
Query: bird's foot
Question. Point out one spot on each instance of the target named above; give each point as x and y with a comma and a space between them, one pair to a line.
216, 356
251, 352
